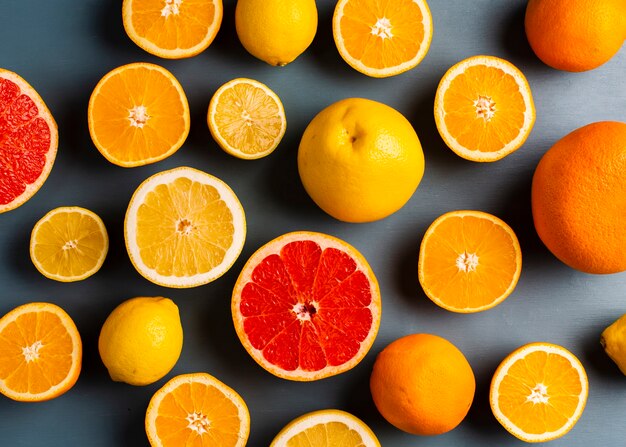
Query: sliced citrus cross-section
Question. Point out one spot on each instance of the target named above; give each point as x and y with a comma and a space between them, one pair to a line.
484, 108
28, 141
197, 410
538, 392
184, 228
69, 244
469, 261
40, 352
306, 306
138, 114
246, 118
382, 39
331, 428
172, 29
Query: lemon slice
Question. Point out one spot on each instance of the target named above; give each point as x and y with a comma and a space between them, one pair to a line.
184, 228
69, 244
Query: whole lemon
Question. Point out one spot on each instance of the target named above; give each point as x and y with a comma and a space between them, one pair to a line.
276, 31
360, 160
422, 384
613, 340
141, 340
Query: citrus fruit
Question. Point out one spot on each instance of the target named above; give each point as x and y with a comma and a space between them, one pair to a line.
306, 306
172, 29
184, 228
577, 198
469, 261
422, 384
326, 428
538, 392
138, 114
197, 410
484, 108
141, 340
613, 340
276, 31
246, 118
28, 141
40, 352
575, 35
382, 39
360, 160
69, 244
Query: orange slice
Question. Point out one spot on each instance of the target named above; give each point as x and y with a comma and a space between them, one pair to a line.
469, 261
484, 108
172, 29
138, 114
326, 428
538, 392
246, 118
306, 306
197, 410
382, 38
69, 244
28, 141
40, 352
184, 228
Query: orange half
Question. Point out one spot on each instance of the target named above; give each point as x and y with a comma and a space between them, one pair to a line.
469, 261
484, 108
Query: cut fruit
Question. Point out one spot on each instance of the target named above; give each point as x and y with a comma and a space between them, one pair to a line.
69, 244
28, 141
197, 410
306, 306
538, 392
484, 108
326, 428
246, 118
172, 29
469, 261
184, 228
138, 114
40, 352
382, 39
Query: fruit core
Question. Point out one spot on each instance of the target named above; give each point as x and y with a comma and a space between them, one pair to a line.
485, 107
467, 262
184, 226
138, 116
305, 311
171, 7
382, 28
31, 353
538, 395
70, 245
198, 422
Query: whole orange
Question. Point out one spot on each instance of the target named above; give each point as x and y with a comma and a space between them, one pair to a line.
422, 384
579, 198
575, 35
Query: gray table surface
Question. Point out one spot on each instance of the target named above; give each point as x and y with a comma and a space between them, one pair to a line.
63, 47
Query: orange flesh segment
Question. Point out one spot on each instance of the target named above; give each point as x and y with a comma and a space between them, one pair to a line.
563, 386
497, 261
461, 119
203, 401
123, 93
406, 20
327, 434
193, 16
54, 353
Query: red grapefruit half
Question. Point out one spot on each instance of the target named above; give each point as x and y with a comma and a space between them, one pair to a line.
306, 306
28, 141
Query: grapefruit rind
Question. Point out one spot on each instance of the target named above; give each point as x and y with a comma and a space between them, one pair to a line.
274, 247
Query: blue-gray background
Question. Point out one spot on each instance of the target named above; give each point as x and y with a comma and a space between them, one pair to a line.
63, 47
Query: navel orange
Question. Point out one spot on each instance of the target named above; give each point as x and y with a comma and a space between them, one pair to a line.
422, 384
538, 392
306, 306
578, 195
28, 141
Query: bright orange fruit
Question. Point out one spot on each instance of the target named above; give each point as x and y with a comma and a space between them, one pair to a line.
538, 392
306, 306
469, 261
40, 352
